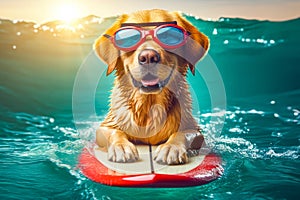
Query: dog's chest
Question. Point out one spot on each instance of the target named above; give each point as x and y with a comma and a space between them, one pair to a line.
151, 124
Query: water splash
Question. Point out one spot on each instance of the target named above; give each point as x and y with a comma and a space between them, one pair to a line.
239, 146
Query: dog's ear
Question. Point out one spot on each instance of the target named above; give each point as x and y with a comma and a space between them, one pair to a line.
197, 44
105, 49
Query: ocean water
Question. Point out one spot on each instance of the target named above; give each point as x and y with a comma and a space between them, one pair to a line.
48, 72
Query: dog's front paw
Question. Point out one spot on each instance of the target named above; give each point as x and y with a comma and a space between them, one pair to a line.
122, 152
171, 154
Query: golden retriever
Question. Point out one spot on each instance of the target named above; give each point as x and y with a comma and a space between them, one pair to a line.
150, 100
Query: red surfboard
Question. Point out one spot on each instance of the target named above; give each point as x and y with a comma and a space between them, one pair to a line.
200, 169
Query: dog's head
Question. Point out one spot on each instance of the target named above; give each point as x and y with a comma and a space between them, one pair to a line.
150, 64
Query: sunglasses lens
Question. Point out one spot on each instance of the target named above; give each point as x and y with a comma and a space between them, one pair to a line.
127, 38
170, 36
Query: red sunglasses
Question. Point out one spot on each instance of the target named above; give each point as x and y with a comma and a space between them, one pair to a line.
167, 34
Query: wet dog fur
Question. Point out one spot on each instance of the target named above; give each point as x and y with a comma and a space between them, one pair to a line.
160, 116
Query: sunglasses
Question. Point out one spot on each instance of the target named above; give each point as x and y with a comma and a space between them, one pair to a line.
167, 34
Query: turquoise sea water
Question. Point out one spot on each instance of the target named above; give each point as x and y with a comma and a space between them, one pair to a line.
40, 140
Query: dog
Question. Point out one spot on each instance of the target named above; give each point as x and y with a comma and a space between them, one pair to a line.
151, 52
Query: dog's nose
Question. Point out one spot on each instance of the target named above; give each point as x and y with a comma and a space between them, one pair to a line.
148, 56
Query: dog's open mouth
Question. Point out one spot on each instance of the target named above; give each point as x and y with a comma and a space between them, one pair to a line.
151, 83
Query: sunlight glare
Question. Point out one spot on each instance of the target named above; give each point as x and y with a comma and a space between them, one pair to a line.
68, 12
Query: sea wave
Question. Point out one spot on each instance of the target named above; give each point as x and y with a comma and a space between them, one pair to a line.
257, 60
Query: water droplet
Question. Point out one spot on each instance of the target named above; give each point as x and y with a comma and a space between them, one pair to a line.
235, 130
35, 30
276, 115
259, 40
19, 33
14, 47
272, 42
215, 31
231, 116
226, 41
276, 134
51, 120
272, 102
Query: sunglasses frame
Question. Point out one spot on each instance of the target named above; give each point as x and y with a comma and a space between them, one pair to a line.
152, 32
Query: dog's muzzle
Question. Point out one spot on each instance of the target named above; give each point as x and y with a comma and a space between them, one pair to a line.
150, 83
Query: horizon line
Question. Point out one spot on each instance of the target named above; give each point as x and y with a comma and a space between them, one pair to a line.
117, 15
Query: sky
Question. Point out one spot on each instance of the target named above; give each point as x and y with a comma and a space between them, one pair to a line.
42, 11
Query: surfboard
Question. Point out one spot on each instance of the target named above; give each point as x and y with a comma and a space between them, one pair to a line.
201, 169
